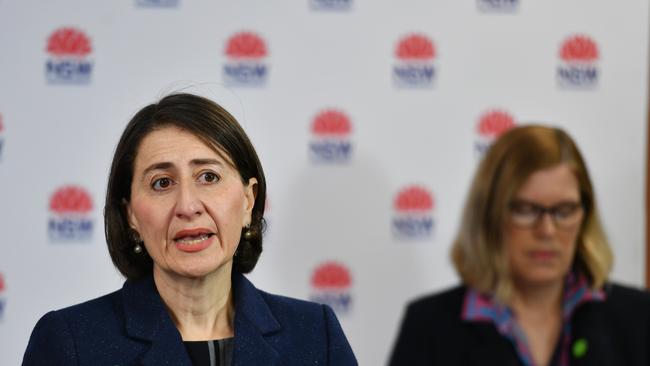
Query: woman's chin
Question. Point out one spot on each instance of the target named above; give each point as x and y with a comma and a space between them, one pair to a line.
196, 269
542, 278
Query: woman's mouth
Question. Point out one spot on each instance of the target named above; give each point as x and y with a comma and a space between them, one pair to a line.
544, 255
193, 240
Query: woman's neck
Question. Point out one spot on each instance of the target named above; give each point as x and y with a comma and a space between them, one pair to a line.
201, 308
538, 310
544, 298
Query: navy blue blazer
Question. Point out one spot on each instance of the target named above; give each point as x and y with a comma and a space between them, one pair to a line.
131, 326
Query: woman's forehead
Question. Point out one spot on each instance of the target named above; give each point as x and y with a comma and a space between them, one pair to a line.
553, 183
176, 145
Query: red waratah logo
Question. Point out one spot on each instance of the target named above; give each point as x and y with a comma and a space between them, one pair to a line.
415, 47
579, 48
415, 67
331, 276
68, 41
494, 123
330, 143
2, 126
413, 199
71, 199
2, 283
331, 122
246, 45
413, 219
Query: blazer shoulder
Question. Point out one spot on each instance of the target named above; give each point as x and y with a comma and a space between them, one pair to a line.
627, 300
296, 315
438, 305
621, 292
57, 334
311, 324
291, 305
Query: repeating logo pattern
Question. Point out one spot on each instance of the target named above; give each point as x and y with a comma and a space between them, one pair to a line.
578, 58
68, 61
413, 213
490, 126
331, 130
498, 6
331, 5
70, 215
414, 66
331, 284
246, 60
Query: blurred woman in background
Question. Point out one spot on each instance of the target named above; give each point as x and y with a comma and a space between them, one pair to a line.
534, 265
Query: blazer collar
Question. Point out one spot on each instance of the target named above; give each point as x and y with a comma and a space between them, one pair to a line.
254, 323
147, 319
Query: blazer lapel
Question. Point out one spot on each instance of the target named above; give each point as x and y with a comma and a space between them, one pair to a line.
487, 344
147, 319
254, 323
592, 328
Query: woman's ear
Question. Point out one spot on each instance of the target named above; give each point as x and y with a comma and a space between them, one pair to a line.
130, 216
250, 193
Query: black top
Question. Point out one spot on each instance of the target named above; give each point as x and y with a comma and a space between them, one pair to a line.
210, 353
616, 332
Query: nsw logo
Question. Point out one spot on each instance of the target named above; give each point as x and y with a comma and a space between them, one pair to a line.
331, 5
68, 61
3, 298
330, 142
578, 66
498, 6
413, 217
490, 126
245, 66
2, 139
70, 209
414, 66
157, 3
331, 284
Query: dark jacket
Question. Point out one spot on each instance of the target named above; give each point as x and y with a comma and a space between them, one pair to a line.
617, 332
132, 327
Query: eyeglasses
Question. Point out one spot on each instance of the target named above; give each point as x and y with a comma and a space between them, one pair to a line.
526, 214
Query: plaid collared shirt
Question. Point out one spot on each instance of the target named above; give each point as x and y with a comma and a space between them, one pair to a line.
484, 308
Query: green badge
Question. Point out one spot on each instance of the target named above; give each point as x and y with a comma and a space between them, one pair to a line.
580, 348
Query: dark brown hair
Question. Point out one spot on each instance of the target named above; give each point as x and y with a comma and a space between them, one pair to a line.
218, 129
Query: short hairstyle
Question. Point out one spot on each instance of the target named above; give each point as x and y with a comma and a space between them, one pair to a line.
478, 252
219, 130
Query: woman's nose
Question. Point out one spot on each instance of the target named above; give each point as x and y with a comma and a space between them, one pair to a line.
546, 225
188, 203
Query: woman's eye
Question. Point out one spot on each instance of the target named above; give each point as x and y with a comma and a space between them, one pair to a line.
209, 177
524, 209
161, 184
566, 210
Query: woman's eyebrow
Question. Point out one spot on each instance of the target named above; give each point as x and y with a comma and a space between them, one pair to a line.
164, 165
206, 162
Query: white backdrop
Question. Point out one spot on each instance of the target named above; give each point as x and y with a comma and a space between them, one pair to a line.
399, 89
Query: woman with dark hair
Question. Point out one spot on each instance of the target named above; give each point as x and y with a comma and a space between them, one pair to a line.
184, 221
534, 264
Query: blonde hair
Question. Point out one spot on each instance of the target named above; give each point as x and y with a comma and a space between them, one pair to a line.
478, 253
